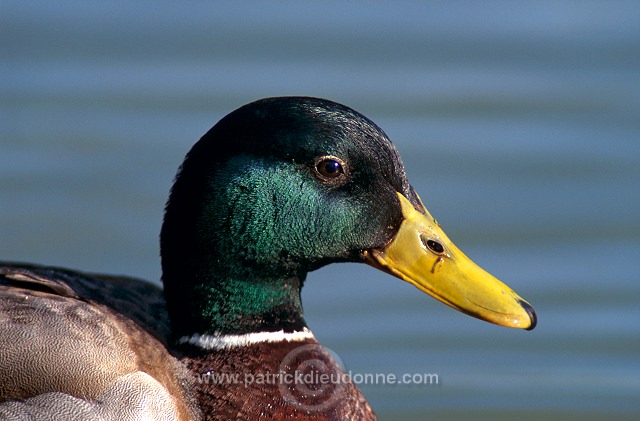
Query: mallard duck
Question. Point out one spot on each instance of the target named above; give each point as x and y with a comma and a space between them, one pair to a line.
276, 189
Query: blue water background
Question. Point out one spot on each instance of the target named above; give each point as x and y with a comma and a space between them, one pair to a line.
518, 122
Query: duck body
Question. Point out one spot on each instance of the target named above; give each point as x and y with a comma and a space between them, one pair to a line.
59, 328
276, 189
84, 346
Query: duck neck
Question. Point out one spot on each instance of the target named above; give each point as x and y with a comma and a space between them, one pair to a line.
235, 304
226, 248
248, 305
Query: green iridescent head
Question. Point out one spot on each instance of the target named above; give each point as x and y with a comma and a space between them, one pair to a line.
277, 188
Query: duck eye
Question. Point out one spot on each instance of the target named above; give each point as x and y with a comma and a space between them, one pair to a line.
329, 168
432, 245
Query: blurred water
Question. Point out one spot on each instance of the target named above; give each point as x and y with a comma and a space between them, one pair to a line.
519, 125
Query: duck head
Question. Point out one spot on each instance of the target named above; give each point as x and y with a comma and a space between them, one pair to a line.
284, 186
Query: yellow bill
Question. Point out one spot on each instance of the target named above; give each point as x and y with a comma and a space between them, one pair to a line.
423, 255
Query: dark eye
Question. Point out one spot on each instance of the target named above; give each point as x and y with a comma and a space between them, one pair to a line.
330, 168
